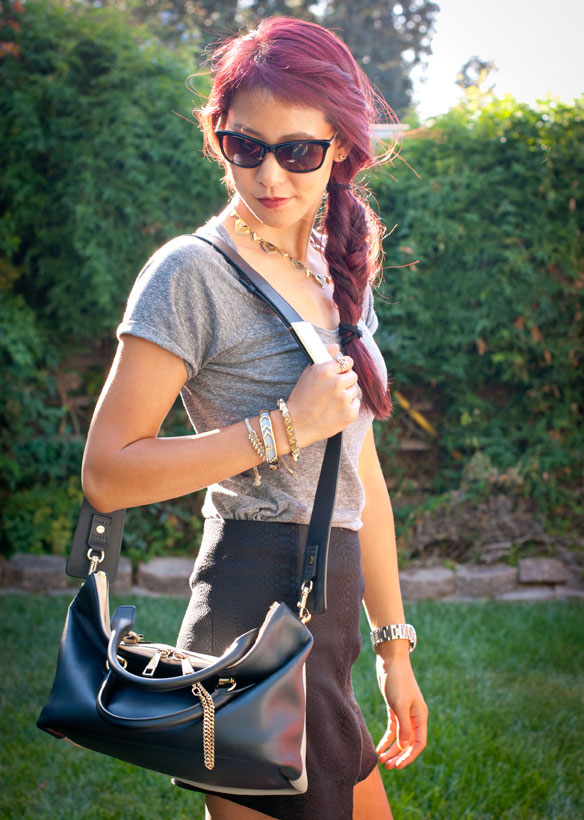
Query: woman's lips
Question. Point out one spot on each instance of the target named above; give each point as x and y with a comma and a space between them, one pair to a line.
273, 202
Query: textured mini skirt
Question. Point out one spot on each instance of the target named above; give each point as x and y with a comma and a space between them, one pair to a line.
241, 569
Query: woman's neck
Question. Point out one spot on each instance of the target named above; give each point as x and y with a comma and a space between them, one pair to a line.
293, 238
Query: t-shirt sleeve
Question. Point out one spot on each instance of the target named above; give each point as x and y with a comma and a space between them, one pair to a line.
185, 301
369, 316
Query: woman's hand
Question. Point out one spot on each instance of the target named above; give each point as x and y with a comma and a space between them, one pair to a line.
407, 713
324, 400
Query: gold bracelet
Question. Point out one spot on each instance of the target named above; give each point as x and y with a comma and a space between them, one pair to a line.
269, 439
258, 446
294, 451
256, 441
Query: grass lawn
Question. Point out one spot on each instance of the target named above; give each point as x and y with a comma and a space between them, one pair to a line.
504, 684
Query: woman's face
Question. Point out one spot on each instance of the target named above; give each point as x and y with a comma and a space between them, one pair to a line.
297, 196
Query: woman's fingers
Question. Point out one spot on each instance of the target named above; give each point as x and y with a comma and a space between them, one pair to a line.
342, 364
390, 733
340, 358
397, 759
326, 399
404, 729
403, 741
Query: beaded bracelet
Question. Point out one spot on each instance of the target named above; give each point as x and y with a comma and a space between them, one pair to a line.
258, 446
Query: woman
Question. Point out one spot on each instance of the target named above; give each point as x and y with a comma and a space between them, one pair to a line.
288, 117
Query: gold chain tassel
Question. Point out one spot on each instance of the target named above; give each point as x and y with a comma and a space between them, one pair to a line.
208, 724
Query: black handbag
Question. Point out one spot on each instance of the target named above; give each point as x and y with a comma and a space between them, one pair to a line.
234, 724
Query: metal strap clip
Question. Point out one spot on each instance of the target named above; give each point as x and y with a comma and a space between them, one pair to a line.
304, 615
95, 558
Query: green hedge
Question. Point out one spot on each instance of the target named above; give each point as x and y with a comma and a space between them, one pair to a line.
96, 172
487, 326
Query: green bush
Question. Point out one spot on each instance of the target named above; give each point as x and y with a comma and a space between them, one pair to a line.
488, 325
96, 172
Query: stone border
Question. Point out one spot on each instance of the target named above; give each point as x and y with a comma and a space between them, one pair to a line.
534, 579
26, 572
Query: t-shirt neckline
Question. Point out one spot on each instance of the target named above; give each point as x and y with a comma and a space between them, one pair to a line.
222, 231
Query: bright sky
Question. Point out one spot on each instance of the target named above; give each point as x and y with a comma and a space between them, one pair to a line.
537, 45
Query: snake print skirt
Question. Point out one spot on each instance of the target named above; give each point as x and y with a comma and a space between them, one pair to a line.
241, 569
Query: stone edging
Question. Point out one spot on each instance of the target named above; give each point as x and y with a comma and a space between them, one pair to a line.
535, 579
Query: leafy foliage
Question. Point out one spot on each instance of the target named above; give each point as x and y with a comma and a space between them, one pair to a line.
96, 172
487, 325
475, 72
485, 330
388, 40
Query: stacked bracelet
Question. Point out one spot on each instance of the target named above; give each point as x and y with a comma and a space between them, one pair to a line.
294, 451
269, 439
258, 446
265, 446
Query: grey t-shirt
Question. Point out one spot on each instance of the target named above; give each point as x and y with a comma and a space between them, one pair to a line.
240, 358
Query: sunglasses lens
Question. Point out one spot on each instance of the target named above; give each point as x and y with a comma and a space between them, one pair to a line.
301, 156
242, 152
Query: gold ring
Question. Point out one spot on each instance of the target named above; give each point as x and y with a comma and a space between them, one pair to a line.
343, 362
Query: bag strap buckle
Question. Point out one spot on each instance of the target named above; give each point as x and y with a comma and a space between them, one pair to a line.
304, 615
95, 558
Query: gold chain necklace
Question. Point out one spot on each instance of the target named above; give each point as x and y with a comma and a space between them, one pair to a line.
242, 229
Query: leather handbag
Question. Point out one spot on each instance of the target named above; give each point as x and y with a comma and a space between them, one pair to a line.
234, 724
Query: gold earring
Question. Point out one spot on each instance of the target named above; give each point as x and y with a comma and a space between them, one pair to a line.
342, 157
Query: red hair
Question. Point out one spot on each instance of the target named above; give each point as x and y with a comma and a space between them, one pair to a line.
301, 62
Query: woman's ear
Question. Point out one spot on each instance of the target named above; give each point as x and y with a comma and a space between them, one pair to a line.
341, 152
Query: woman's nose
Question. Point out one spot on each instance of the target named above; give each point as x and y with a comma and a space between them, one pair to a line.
270, 173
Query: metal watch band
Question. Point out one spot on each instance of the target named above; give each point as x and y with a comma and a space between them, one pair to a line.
394, 632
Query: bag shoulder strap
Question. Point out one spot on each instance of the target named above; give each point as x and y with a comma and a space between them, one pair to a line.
318, 537
100, 535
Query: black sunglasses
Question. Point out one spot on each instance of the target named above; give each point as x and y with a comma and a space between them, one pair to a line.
298, 156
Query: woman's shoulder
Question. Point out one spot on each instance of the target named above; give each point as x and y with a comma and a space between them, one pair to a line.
188, 300
188, 264
186, 253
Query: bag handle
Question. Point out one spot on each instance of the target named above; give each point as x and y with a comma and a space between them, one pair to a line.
122, 623
159, 722
98, 537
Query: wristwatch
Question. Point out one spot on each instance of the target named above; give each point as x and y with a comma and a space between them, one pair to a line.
394, 632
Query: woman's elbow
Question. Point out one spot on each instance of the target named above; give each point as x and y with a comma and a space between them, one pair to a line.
97, 487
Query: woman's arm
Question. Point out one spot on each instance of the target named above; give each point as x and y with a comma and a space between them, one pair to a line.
126, 464
383, 604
